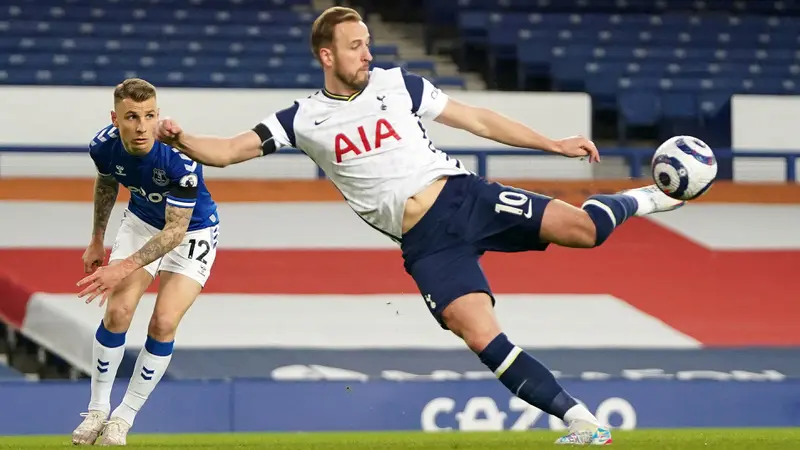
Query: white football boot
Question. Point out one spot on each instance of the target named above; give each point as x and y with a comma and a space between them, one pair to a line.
651, 200
90, 428
115, 432
585, 433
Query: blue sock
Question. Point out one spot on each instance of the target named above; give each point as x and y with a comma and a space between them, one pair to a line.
158, 348
526, 377
107, 338
608, 212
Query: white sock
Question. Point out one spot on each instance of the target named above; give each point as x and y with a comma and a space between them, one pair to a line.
643, 199
579, 412
146, 375
105, 363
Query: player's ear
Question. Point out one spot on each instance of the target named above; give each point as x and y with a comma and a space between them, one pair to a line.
114, 119
326, 56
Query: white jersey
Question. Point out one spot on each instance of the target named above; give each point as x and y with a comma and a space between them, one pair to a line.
372, 145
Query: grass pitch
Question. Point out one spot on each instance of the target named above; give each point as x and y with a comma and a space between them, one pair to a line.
707, 439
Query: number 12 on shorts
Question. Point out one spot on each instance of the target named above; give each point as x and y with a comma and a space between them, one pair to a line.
512, 202
203, 247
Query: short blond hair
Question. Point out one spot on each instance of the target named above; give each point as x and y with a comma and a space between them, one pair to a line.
135, 89
322, 29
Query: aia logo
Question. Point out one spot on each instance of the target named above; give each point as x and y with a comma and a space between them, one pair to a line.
344, 145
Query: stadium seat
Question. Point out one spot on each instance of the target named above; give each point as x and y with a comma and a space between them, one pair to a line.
450, 82
426, 68
681, 112
637, 108
612, 49
198, 43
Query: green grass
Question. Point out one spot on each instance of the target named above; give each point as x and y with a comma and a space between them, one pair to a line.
706, 439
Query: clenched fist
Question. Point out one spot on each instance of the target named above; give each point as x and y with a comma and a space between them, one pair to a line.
169, 132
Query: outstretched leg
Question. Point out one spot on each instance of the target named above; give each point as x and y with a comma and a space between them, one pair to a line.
442, 253
598, 217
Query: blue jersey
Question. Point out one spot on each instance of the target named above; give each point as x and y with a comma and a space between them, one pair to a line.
162, 176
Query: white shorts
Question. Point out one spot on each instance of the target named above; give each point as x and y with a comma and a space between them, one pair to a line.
192, 258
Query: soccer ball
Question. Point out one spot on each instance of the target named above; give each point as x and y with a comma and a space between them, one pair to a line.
684, 167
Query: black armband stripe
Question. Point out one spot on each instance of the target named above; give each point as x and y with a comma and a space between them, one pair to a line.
185, 192
267, 139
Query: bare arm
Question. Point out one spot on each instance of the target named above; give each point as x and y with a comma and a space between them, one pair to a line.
499, 128
211, 150
106, 189
221, 152
177, 222
495, 126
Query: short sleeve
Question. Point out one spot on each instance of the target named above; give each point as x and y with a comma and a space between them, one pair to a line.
427, 100
281, 126
184, 180
100, 157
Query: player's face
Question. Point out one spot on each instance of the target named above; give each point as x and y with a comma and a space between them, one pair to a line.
136, 122
351, 54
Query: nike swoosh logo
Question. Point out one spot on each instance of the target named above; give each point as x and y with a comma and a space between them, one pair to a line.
529, 212
317, 122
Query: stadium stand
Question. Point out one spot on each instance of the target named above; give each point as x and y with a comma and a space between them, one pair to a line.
660, 66
667, 65
7, 371
234, 44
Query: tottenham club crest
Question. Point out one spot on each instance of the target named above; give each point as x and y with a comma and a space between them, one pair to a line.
160, 177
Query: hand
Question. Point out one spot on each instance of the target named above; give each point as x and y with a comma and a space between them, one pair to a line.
578, 146
168, 131
93, 257
102, 281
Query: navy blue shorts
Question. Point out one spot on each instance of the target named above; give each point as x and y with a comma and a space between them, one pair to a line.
470, 217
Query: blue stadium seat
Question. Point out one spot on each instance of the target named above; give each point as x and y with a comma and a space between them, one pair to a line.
28, 12
199, 43
424, 67
153, 30
378, 51
639, 107
679, 105
687, 53
603, 91
628, 7
568, 75
681, 113
219, 4
450, 82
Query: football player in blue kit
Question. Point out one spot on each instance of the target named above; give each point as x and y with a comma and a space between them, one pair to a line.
169, 228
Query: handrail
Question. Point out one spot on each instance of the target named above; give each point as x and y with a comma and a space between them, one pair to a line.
635, 157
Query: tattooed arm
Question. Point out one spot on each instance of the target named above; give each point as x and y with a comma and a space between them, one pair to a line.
177, 222
106, 189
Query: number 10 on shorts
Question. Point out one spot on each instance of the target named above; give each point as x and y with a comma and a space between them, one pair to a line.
513, 202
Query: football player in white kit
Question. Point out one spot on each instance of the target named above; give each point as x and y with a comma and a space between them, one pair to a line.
364, 129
